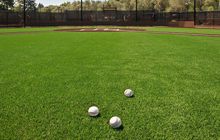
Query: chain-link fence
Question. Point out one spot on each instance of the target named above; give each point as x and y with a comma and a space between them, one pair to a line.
105, 17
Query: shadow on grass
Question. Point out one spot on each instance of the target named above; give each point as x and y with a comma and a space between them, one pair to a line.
98, 116
120, 128
132, 96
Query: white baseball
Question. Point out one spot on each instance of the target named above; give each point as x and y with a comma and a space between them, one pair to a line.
128, 93
93, 111
115, 122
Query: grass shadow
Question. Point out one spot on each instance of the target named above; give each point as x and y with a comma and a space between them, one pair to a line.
120, 128
132, 96
98, 116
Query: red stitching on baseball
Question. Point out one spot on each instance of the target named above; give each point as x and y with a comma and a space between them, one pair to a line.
114, 122
125, 91
131, 92
93, 112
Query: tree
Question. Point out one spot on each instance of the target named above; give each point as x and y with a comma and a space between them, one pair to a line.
200, 4
29, 5
65, 4
217, 4
40, 5
6, 4
162, 5
212, 4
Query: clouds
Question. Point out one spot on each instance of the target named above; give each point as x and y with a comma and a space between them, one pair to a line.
51, 2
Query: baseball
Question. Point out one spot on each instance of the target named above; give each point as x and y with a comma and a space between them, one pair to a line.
115, 122
93, 111
128, 93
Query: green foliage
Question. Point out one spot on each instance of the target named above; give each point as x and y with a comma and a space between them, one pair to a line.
6, 4
29, 5
160, 5
211, 8
40, 5
108, 4
65, 4
48, 82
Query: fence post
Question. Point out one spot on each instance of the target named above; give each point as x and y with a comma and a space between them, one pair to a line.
34, 14
194, 12
96, 15
24, 15
116, 16
54, 20
7, 17
50, 16
213, 18
65, 15
178, 16
170, 17
81, 12
17, 17
136, 10
39, 19
165, 16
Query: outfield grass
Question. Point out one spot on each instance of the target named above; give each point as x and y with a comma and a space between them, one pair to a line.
185, 30
48, 81
13, 30
176, 30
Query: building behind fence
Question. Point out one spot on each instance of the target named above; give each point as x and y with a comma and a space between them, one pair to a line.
107, 17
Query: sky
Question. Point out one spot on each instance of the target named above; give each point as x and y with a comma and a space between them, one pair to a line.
52, 2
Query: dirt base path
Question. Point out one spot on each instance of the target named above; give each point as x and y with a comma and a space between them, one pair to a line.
112, 30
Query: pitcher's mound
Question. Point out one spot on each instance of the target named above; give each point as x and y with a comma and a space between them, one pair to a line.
101, 30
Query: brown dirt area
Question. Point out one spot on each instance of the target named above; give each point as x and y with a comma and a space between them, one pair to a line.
113, 30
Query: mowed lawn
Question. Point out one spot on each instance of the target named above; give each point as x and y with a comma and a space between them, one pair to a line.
49, 80
28, 29
185, 30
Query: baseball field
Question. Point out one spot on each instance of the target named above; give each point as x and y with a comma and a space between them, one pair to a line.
48, 81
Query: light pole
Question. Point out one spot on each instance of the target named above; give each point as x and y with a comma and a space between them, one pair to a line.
35, 11
77, 8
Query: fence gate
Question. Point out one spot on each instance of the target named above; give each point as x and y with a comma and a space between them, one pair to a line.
110, 14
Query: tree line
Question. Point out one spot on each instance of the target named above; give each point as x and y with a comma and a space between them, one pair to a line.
159, 5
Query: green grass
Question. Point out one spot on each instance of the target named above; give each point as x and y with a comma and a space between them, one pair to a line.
12, 30
176, 30
185, 30
48, 82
